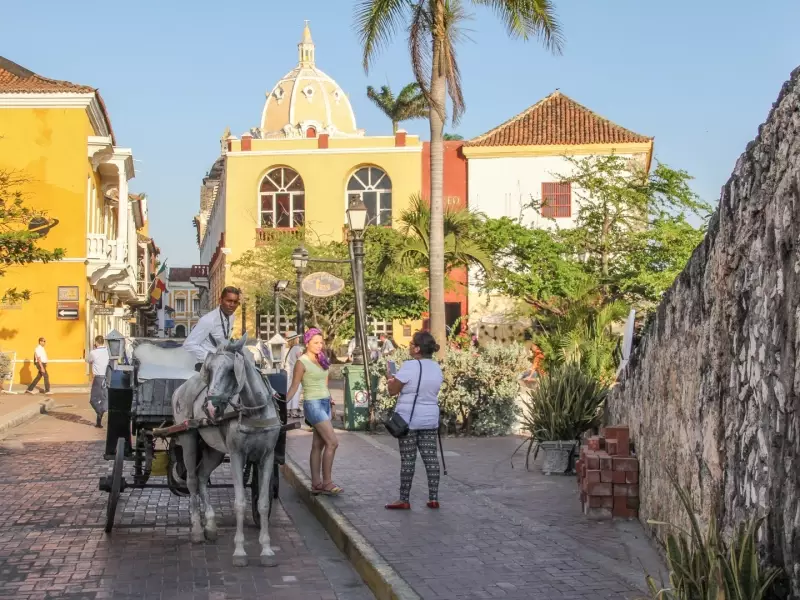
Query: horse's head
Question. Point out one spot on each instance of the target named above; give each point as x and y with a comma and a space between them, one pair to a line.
224, 372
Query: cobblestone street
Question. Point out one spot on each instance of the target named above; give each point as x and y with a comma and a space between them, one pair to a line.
52, 543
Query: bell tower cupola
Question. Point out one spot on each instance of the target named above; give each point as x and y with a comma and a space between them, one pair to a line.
305, 49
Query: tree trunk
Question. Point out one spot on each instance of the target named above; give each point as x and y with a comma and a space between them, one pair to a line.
438, 92
395, 126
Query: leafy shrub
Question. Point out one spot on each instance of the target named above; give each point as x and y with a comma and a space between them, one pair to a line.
479, 391
566, 403
704, 566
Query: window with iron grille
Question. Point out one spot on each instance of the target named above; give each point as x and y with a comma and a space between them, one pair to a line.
557, 200
283, 199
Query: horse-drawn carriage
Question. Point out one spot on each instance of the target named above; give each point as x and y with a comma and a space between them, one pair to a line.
142, 430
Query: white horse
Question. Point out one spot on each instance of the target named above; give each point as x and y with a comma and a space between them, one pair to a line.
227, 383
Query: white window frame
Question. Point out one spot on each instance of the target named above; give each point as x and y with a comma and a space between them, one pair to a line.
282, 189
373, 185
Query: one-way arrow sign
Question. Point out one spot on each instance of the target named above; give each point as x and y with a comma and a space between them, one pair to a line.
67, 311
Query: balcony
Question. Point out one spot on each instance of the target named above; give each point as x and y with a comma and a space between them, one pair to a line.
142, 287
99, 247
268, 235
199, 271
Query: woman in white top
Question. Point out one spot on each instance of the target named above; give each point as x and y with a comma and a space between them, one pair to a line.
420, 379
295, 351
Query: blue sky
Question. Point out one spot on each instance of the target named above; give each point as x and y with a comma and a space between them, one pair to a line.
700, 76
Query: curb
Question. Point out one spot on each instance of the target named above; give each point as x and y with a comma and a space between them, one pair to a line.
378, 574
19, 417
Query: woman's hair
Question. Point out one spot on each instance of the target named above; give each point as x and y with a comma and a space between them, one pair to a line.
426, 343
322, 358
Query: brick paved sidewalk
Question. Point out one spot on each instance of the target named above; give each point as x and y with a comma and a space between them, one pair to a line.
501, 532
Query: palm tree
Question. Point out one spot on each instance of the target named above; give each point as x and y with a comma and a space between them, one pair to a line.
580, 330
459, 250
434, 28
409, 104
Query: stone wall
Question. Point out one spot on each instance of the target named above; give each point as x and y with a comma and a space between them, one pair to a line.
713, 388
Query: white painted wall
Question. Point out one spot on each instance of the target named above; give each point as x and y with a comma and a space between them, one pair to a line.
215, 226
504, 187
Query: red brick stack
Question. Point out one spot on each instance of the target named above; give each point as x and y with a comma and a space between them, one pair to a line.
609, 476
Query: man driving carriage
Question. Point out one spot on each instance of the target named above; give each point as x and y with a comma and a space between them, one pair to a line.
215, 323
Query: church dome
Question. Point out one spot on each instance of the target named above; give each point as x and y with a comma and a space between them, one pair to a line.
307, 102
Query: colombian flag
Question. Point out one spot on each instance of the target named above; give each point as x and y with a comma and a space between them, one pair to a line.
159, 284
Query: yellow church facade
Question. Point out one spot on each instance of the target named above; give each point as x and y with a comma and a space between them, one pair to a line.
298, 169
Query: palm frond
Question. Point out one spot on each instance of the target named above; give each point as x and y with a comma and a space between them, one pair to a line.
376, 22
529, 18
419, 46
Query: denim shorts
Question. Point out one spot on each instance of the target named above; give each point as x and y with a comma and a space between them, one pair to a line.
317, 411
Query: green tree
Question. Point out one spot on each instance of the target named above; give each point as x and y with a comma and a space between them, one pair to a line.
460, 250
530, 264
390, 293
21, 230
452, 137
434, 29
631, 227
409, 104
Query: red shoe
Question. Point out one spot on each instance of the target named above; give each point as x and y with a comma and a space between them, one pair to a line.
433, 504
398, 506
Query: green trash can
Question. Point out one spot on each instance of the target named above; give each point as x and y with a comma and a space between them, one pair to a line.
356, 400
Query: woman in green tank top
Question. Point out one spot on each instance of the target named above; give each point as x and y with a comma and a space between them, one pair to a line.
311, 370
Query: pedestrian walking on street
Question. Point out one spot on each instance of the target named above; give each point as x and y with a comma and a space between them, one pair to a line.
40, 360
292, 356
98, 397
418, 383
311, 371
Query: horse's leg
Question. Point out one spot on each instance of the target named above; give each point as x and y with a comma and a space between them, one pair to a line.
264, 493
188, 442
211, 460
239, 505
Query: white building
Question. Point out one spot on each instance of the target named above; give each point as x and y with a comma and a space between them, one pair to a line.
522, 162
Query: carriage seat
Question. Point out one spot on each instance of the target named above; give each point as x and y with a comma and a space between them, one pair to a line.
156, 362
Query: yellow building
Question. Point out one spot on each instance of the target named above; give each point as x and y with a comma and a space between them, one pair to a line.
57, 136
298, 168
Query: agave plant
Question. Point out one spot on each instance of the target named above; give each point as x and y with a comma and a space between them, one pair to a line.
565, 403
703, 566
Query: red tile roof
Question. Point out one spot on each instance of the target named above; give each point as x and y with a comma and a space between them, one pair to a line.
16, 79
557, 120
177, 274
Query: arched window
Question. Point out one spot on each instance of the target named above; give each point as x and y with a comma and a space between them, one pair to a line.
283, 199
180, 331
375, 189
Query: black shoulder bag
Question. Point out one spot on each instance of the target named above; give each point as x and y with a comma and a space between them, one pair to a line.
396, 425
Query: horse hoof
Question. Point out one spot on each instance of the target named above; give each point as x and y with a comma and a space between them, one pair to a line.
211, 535
198, 538
239, 561
268, 561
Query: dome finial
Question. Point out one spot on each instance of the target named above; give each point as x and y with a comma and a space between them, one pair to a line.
305, 49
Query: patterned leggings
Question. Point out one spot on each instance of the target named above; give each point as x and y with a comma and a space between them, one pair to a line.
425, 440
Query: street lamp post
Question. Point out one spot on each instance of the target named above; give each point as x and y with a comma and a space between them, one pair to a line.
280, 286
300, 262
357, 221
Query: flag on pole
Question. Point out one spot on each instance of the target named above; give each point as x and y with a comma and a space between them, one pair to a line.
159, 284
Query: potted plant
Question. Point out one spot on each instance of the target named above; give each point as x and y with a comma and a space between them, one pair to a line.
566, 403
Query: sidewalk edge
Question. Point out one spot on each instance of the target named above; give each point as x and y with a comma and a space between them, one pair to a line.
378, 574
19, 417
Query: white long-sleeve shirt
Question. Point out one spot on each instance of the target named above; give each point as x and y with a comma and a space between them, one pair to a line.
212, 323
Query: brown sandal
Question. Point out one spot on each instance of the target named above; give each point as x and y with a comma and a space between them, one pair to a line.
326, 489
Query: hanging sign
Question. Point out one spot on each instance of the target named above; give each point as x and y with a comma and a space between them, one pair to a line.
322, 285
102, 310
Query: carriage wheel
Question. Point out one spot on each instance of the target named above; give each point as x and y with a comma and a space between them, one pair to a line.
143, 457
254, 489
116, 484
